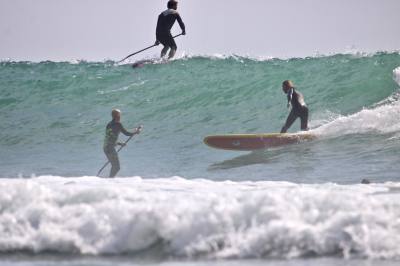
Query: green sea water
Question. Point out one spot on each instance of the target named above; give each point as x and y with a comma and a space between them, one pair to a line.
180, 202
53, 117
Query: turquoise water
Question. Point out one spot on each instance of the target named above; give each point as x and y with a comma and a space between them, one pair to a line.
54, 115
177, 199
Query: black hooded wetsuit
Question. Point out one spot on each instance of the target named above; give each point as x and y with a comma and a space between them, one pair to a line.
110, 141
299, 109
164, 24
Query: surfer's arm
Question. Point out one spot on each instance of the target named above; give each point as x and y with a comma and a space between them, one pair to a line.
126, 132
289, 97
181, 24
157, 42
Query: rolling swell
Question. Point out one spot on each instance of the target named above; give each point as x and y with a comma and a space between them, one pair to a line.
53, 118
53, 114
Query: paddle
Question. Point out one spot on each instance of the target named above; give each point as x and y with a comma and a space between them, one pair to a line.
144, 49
120, 148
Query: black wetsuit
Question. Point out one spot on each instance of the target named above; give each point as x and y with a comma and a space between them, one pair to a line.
112, 131
299, 109
164, 24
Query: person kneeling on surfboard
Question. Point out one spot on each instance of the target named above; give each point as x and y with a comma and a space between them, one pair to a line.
113, 128
299, 108
164, 24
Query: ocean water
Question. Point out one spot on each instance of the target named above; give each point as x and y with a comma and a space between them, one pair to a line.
178, 202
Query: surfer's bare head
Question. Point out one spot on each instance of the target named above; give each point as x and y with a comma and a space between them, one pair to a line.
172, 4
287, 85
116, 114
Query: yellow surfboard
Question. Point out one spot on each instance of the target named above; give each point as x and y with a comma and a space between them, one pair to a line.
250, 142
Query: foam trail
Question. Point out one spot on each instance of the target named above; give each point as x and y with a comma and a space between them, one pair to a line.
192, 218
383, 118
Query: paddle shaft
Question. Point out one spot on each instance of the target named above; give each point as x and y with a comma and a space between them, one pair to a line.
145, 49
120, 148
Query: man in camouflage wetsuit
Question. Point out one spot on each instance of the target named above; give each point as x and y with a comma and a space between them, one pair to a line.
111, 140
299, 108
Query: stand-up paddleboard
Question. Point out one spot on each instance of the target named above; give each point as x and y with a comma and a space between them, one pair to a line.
250, 142
144, 62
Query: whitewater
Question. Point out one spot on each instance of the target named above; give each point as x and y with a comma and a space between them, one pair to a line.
178, 202
216, 220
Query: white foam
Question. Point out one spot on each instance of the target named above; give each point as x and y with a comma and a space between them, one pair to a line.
382, 118
262, 58
396, 75
123, 88
189, 218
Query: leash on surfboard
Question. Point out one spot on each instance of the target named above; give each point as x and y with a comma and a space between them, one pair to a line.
144, 49
139, 128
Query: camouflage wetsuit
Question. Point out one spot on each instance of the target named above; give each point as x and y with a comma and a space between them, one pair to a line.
299, 109
164, 24
112, 131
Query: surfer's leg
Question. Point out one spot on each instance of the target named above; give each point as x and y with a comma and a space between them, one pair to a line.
173, 48
112, 157
164, 51
289, 121
115, 167
164, 40
172, 53
304, 118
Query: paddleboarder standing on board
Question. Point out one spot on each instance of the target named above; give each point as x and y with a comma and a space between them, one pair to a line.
164, 24
113, 128
299, 108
